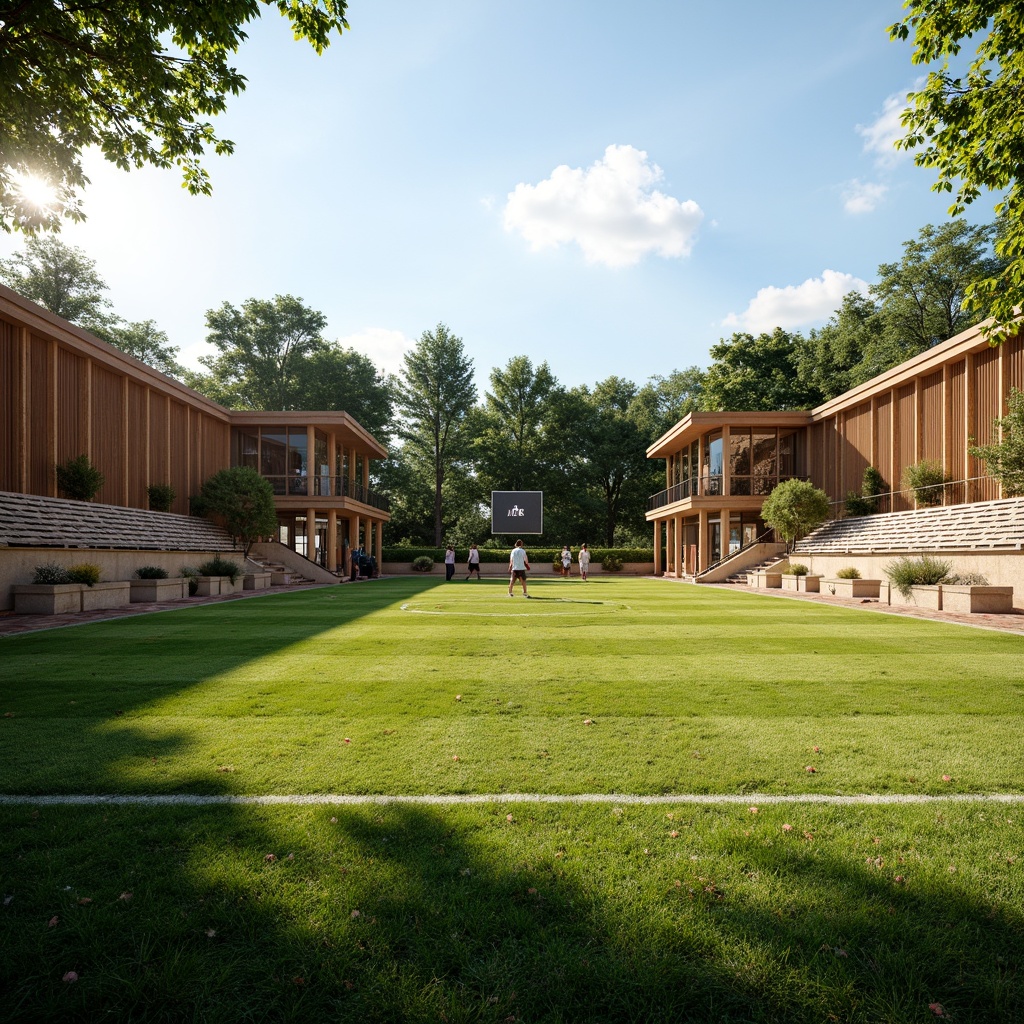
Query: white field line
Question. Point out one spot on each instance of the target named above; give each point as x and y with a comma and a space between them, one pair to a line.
336, 799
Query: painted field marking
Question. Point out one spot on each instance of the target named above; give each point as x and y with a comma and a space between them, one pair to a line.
351, 799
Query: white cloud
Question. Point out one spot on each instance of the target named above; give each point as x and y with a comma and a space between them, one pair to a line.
385, 347
863, 196
795, 305
610, 210
882, 134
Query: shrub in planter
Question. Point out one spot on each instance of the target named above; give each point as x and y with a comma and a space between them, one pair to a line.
78, 478
220, 567
52, 574
967, 579
798, 570
849, 573
151, 572
858, 505
85, 572
422, 563
925, 571
161, 498
927, 481
190, 573
610, 563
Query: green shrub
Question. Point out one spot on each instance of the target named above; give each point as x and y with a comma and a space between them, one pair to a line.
967, 579
422, 563
50, 573
611, 563
84, 572
925, 571
873, 484
849, 573
79, 479
151, 572
794, 508
191, 574
1005, 460
798, 570
161, 497
220, 567
245, 502
927, 482
858, 505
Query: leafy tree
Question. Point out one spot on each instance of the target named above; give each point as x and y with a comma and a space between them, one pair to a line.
261, 348
146, 342
245, 502
922, 297
1005, 459
512, 447
334, 377
969, 126
134, 80
794, 508
669, 399
60, 277
435, 394
835, 358
757, 373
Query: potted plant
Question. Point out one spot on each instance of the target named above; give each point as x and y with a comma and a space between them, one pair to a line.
51, 592
153, 583
217, 576
96, 595
848, 583
799, 577
917, 581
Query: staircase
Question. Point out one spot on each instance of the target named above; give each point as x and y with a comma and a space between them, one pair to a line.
740, 576
280, 575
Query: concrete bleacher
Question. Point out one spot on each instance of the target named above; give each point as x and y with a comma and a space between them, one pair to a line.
982, 526
31, 521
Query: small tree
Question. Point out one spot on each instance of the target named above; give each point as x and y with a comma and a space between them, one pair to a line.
795, 508
1005, 460
927, 480
161, 497
244, 500
866, 503
79, 479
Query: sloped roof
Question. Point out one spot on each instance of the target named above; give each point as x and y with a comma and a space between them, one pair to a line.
28, 520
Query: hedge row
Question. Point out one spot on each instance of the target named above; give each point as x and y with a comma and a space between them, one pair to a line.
500, 555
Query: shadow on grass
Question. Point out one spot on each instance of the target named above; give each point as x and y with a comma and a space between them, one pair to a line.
457, 915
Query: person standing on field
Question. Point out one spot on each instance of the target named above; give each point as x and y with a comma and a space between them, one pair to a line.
584, 559
566, 561
518, 565
474, 561
449, 563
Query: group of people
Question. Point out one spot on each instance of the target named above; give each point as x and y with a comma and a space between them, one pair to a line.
518, 564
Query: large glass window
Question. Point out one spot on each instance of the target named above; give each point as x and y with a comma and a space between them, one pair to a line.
711, 470
762, 447
298, 462
789, 453
246, 449
323, 468
274, 459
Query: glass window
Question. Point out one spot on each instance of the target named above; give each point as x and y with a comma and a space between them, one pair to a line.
245, 449
274, 454
789, 451
762, 447
739, 453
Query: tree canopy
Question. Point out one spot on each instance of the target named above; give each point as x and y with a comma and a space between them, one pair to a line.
135, 80
967, 123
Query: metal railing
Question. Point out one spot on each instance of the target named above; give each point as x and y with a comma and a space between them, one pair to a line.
949, 492
762, 539
712, 486
328, 486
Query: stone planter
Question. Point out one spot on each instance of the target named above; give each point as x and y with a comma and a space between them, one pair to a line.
282, 578
919, 597
47, 598
850, 588
210, 586
766, 580
175, 588
115, 594
256, 581
806, 584
991, 600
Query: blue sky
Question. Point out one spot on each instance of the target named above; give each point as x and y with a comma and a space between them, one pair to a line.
720, 167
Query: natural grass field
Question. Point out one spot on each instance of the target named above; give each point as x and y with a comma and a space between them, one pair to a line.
569, 912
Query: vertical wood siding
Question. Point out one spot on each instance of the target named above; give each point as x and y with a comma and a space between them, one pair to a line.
108, 433
179, 452
931, 417
10, 407
858, 448
883, 438
986, 405
71, 425
41, 467
138, 424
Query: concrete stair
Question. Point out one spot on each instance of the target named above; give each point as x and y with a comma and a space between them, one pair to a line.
280, 575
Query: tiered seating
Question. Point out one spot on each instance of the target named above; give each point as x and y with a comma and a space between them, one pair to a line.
988, 525
27, 520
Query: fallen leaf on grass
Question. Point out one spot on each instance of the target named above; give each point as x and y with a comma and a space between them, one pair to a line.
810, 769
346, 740
674, 834
84, 901
754, 810
587, 721
458, 696
53, 921
125, 896
947, 778
531, 892
508, 817
299, 981
334, 821
937, 1009
270, 858
817, 750
210, 932
8, 714
226, 768
355, 914
70, 978
787, 828
899, 879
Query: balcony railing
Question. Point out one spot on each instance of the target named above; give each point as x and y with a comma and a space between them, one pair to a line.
711, 486
951, 492
297, 486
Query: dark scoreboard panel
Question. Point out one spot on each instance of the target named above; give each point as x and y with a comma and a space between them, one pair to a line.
517, 512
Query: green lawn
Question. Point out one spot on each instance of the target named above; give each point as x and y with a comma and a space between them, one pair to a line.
591, 912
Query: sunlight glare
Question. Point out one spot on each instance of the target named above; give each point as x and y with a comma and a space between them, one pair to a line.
38, 192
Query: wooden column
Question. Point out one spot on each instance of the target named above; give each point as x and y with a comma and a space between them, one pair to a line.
332, 540
918, 432
670, 544
379, 546
366, 471
54, 418
702, 541
353, 533
24, 339
124, 441
657, 547
947, 420
969, 426
311, 533
332, 461
873, 443
677, 547
726, 476
894, 447
310, 461
148, 463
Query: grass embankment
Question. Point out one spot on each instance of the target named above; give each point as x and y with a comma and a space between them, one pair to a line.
563, 913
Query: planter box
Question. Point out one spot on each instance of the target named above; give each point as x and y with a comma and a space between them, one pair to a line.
106, 595
256, 581
920, 597
769, 580
47, 598
282, 579
850, 588
175, 588
993, 600
209, 586
804, 584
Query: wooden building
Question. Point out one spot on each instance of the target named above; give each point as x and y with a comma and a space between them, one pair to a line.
65, 393
720, 466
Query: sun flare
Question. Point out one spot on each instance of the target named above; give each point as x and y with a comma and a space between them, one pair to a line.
37, 191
